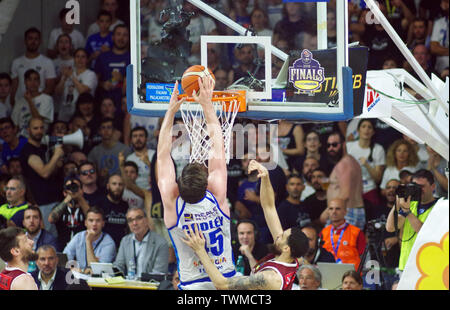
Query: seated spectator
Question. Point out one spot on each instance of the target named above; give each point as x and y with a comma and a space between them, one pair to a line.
371, 158
112, 7
260, 22
58, 128
48, 276
142, 156
316, 252
439, 39
105, 155
14, 167
389, 63
147, 250
13, 143
111, 66
437, 164
4, 179
40, 172
92, 192
222, 78
418, 33
77, 157
74, 82
420, 149
400, 155
274, 9
316, 203
345, 241
239, 12
248, 245
33, 104
14, 208
423, 57
64, 57
69, 215
101, 41
309, 278
32, 60
32, 222
92, 244
244, 207
5, 95
70, 168
115, 209
412, 214
245, 56
78, 40
292, 211
352, 281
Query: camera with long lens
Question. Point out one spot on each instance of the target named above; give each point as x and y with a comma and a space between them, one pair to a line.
412, 190
376, 228
72, 187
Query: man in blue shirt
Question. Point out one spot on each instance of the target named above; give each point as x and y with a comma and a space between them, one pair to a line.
91, 245
111, 66
13, 144
100, 42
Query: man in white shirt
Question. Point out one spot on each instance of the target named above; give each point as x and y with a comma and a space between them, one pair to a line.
33, 104
32, 60
111, 6
142, 156
78, 40
439, 39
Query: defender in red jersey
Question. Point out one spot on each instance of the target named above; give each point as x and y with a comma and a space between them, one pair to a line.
277, 273
16, 249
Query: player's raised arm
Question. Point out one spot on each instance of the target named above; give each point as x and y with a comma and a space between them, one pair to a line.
217, 169
166, 171
267, 198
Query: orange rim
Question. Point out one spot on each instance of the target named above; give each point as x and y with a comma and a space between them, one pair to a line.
226, 97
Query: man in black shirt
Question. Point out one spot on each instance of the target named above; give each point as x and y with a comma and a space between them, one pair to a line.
316, 203
40, 172
88, 177
316, 252
115, 209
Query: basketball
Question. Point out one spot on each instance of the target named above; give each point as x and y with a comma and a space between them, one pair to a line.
189, 80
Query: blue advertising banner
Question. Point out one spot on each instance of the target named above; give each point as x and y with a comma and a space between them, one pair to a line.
160, 92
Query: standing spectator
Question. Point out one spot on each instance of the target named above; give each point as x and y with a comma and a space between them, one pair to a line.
313, 148
78, 40
33, 104
32, 60
316, 203
437, 165
48, 276
133, 195
346, 183
111, 6
245, 56
419, 33
439, 39
292, 24
335, 150
316, 253
17, 251
248, 245
32, 222
146, 249
40, 173
400, 155
69, 215
291, 141
14, 167
101, 41
108, 110
412, 214
371, 158
105, 155
111, 66
5, 95
292, 212
309, 165
86, 109
115, 209
423, 57
74, 81
244, 207
64, 59
142, 156
16, 203
345, 241
13, 143
92, 192
274, 9
92, 244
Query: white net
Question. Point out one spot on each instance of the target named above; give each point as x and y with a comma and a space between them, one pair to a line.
195, 123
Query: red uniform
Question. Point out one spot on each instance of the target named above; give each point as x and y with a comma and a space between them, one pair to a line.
7, 277
286, 271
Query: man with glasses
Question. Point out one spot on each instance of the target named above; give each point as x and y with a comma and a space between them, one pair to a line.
13, 143
88, 178
105, 155
15, 196
69, 215
144, 249
346, 180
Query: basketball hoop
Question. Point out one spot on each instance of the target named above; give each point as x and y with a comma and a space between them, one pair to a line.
226, 104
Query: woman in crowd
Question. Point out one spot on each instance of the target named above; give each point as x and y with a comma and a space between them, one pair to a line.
65, 54
352, 281
371, 158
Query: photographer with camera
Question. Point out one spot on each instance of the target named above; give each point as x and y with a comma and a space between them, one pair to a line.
414, 203
69, 215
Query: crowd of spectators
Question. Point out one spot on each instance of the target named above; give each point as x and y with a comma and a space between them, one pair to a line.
96, 202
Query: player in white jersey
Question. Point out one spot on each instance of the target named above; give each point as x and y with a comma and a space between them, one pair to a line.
198, 197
